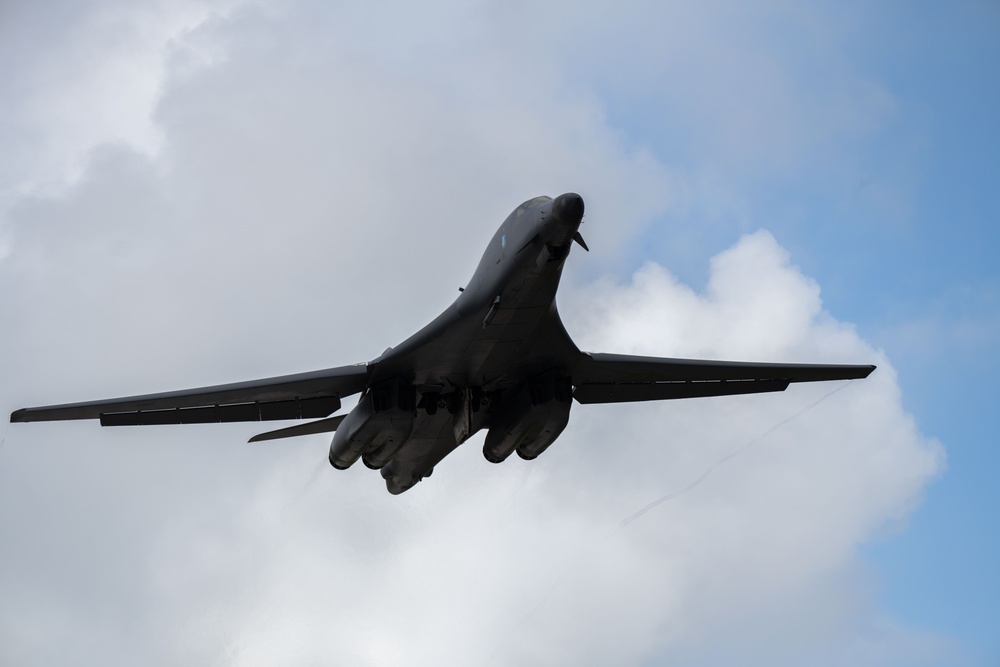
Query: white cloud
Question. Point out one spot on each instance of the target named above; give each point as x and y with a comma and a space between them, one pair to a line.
83, 76
267, 555
313, 197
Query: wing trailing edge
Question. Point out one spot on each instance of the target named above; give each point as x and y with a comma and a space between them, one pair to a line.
300, 396
618, 378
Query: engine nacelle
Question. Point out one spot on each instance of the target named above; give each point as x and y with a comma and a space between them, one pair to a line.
377, 426
530, 419
397, 481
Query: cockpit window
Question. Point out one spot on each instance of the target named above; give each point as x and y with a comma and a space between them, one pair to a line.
531, 203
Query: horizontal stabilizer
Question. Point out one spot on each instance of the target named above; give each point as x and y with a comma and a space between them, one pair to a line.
322, 426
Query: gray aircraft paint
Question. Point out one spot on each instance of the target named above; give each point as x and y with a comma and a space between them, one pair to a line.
499, 358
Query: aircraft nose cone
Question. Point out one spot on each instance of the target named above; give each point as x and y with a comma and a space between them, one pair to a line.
568, 208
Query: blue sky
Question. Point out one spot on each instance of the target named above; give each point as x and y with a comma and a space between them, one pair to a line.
897, 225
202, 192
921, 282
944, 285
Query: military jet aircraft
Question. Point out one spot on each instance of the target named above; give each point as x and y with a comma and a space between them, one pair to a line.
498, 358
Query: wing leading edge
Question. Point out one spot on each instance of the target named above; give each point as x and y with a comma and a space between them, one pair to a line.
300, 396
619, 378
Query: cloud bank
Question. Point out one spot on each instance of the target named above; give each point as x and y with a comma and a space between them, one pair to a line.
294, 195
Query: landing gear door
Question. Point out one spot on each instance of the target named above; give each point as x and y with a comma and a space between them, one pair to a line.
463, 416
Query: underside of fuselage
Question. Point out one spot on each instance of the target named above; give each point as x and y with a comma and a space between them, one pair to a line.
491, 358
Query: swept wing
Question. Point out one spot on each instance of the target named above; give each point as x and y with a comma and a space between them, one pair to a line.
300, 396
619, 378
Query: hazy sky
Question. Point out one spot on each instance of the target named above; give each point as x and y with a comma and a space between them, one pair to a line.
194, 193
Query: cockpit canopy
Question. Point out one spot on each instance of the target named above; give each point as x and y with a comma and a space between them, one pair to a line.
531, 203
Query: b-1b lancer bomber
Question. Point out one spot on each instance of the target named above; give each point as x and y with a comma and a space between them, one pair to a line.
498, 358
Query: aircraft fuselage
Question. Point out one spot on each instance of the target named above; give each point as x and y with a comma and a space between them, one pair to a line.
446, 382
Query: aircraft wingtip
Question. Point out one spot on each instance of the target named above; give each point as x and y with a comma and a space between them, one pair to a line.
18, 415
